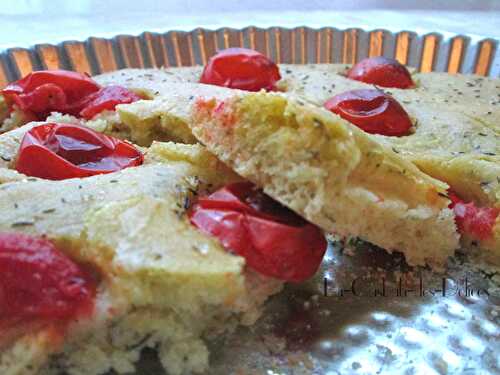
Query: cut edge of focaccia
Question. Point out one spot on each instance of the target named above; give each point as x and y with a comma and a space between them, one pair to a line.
455, 117
121, 224
149, 83
457, 131
172, 92
162, 117
331, 173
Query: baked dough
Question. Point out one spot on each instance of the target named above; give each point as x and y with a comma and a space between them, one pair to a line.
456, 118
164, 284
456, 135
330, 172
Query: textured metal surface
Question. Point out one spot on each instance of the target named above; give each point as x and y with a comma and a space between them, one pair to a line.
411, 329
429, 52
303, 331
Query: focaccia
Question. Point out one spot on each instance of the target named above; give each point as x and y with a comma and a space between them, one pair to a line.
330, 172
456, 136
162, 283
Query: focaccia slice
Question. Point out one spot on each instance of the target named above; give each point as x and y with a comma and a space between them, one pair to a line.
456, 136
331, 173
456, 119
163, 284
149, 83
163, 116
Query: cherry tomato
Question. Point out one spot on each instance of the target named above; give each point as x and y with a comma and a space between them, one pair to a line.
273, 240
381, 71
107, 98
61, 151
241, 68
42, 92
477, 222
51, 90
371, 110
37, 281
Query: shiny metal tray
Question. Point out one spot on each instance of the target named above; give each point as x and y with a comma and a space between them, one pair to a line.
429, 52
365, 312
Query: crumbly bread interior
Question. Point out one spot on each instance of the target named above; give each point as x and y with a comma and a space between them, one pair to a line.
456, 135
330, 172
164, 284
162, 117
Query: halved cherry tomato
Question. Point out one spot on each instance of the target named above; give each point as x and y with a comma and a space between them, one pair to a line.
381, 71
477, 222
45, 91
371, 110
273, 240
42, 92
241, 68
107, 98
37, 281
61, 151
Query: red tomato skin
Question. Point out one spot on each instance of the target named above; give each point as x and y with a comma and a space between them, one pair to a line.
61, 151
42, 92
107, 98
291, 252
382, 71
477, 222
37, 281
371, 110
241, 68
